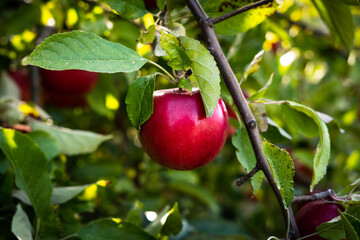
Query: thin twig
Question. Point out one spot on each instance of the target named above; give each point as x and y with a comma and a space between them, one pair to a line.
239, 11
314, 197
238, 182
247, 116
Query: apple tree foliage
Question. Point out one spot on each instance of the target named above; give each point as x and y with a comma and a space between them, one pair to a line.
81, 173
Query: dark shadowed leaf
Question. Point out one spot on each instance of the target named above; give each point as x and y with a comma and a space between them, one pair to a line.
30, 167
105, 229
338, 18
173, 222
139, 100
246, 156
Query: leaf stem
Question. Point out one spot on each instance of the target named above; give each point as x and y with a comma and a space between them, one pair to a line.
37, 228
69, 236
166, 72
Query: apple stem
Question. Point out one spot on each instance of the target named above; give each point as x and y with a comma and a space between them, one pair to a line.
170, 79
207, 27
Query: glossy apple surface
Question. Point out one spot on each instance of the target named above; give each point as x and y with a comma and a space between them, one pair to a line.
22, 80
178, 135
313, 214
69, 81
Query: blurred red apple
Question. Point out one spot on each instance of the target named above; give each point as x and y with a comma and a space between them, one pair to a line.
313, 214
69, 81
22, 80
178, 135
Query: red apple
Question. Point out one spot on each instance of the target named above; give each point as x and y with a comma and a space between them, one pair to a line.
22, 80
312, 214
150, 4
69, 81
66, 100
178, 135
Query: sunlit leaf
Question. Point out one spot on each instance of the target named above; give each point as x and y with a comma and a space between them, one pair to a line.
205, 71
242, 22
129, 9
283, 170
322, 154
179, 60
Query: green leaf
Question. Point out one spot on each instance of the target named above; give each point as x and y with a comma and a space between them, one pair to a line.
59, 195
20, 225
148, 36
350, 187
259, 111
154, 228
338, 18
105, 229
253, 66
47, 143
173, 222
179, 60
246, 156
8, 87
205, 71
349, 229
30, 167
184, 83
135, 214
10, 112
355, 222
84, 51
322, 154
129, 9
262, 91
72, 142
104, 98
139, 100
240, 23
283, 170
198, 192
332, 230
351, 2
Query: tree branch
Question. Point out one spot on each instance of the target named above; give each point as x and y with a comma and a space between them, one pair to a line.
239, 11
232, 84
238, 182
314, 197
